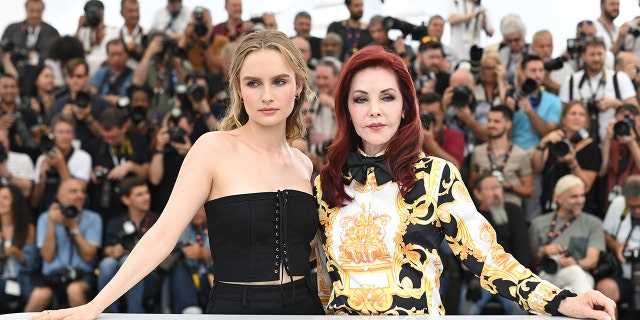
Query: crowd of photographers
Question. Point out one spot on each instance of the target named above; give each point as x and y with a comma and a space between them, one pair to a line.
94, 128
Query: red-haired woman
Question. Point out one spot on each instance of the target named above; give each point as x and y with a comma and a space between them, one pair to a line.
385, 208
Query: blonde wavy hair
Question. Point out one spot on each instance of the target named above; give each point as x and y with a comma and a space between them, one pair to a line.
273, 40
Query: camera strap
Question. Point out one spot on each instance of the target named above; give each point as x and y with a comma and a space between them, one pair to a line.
554, 222
601, 84
114, 84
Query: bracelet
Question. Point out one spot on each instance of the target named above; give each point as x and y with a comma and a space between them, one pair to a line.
573, 168
205, 115
553, 305
89, 120
74, 232
541, 148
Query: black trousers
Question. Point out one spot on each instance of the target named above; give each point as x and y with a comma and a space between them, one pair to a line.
297, 297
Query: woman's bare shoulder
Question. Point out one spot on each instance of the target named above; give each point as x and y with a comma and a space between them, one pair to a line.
303, 160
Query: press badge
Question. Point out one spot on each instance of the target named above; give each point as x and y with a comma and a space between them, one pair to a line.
33, 59
615, 191
12, 288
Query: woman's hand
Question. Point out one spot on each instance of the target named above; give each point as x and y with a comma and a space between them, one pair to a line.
84, 312
589, 305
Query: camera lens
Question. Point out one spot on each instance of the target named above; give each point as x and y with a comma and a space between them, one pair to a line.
461, 96
427, 119
82, 99
561, 149
621, 129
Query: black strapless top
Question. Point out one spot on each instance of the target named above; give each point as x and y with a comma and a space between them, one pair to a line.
252, 235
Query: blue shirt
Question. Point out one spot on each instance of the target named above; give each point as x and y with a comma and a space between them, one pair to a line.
90, 225
549, 110
100, 81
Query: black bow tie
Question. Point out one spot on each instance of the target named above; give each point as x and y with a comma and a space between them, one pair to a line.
358, 165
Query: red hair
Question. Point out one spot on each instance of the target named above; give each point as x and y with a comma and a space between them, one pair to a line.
404, 147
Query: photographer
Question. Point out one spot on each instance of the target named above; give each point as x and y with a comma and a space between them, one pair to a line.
58, 162
202, 46
627, 39
464, 113
467, 19
536, 111
161, 69
131, 33
352, 31
171, 19
15, 168
622, 236
136, 106
198, 103
94, 35
432, 75
508, 221
19, 259
500, 157
191, 278
111, 82
620, 149
21, 122
515, 48
435, 133
568, 150
121, 235
566, 243
601, 90
79, 103
25, 44
68, 237
117, 155
169, 149
556, 69
379, 32
491, 85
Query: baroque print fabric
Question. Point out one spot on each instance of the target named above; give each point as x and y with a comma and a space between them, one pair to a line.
381, 248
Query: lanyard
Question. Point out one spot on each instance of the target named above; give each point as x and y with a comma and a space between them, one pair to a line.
503, 164
32, 36
553, 235
609, 33
601, 85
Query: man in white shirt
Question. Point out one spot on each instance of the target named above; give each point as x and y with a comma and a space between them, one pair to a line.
467, 19
609, 11
599, 88
15, 168
172, 19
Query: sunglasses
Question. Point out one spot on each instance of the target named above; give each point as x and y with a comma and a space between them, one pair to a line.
583, 22
426, 39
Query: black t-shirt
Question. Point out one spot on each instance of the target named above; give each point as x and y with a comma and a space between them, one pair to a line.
133, 148
98, 105
589, 158
24, 119
172, 163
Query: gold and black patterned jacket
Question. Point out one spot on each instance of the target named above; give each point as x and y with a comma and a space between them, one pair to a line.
381, 252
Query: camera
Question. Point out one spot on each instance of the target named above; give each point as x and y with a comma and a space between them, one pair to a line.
129, 236
554, 64
200, 29
635, 32
170, 46
101, 173
592, 106
176, 134
17, 54
427, 119
196, 92
69, 211
63, 276
82, 99
46, 143
416, 32
623, 127
461, 96
528, 87
551, 264
320, 149
93, 15
172, 259
633, 256
258, 24
563, 147
136, 114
